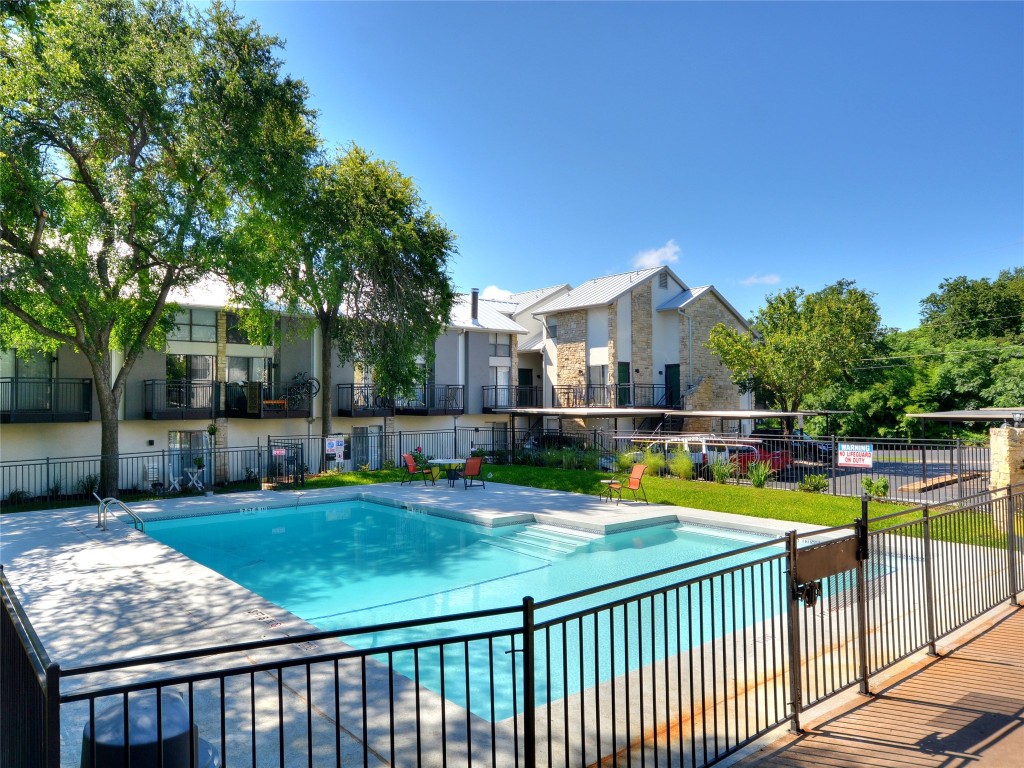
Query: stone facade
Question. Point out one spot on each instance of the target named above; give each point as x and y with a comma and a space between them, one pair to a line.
1007, 457
572, 348
642, 332
613, 353
717, 392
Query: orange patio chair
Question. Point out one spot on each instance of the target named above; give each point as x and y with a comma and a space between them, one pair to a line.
472, 471
632, 483
413, 471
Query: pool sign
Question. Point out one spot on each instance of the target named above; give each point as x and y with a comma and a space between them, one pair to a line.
278, 452
854, 455
335, 445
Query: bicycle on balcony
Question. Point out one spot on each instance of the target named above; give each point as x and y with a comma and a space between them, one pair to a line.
301, 391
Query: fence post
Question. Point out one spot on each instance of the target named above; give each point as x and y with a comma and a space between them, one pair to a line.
929, 590
832, 467
863, 552
924, 462
53, 715
529, 695
796, 691
1011, 545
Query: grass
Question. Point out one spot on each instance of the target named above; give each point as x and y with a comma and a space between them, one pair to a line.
794, 506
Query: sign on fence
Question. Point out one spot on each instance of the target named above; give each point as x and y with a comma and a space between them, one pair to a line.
278, 452
335, 446
854, 455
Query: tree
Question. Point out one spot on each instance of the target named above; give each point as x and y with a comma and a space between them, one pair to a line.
798, 344
130, 130
976, 309
361, 253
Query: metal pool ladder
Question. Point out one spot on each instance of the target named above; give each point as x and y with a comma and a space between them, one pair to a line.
104, 508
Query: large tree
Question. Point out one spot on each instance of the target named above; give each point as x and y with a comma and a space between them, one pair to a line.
799, 343
361, 254
964, 308
129, 130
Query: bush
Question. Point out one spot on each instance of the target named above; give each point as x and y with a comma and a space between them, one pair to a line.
877, 489
722, 470
624, 461
813, 483
89, 484
655, 461
681, 465
759, 473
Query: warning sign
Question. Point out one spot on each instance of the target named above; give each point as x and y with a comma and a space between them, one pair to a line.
854, 455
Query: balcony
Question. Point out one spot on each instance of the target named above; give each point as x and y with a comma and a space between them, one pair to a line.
256, 400
180, 399
615, 396
511, 396
26, 401
432, 400
363, 400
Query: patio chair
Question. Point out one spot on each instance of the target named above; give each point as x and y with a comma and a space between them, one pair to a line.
412, 471
632, 483
472, 471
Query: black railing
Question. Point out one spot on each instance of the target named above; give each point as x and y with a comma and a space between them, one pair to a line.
180, 399
430, 400
44, 400
363, 400
680, 666
256, 400
511, 396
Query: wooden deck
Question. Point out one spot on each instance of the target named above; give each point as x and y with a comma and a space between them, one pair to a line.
965, 708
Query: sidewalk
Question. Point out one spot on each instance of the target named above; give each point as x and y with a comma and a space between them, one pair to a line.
965, 708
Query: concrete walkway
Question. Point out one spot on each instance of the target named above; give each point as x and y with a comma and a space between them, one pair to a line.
965, 708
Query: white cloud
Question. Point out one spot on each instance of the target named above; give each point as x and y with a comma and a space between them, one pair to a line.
667, 254
495, 293
756, 279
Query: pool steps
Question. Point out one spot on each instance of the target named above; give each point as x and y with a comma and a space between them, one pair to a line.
545, 541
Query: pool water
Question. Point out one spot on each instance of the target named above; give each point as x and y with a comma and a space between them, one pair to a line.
355, 564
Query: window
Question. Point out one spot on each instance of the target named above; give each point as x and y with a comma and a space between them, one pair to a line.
663, 280
195, 325
500, 345
250, 369
190, 367
552, 327
236, 334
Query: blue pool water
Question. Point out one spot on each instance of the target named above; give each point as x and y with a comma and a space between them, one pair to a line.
355, 564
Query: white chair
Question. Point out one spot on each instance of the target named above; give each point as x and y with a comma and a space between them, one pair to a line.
173, 481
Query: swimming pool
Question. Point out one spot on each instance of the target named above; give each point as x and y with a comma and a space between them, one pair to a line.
357, 563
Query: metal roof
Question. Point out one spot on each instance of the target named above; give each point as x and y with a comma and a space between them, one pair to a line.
489, 317
603, 290
534, 343
980, 414
526, 299
585, 413
680, 300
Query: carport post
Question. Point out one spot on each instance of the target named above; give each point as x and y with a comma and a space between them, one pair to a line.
795, 691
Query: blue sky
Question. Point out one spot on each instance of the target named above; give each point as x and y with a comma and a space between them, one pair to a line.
753, 146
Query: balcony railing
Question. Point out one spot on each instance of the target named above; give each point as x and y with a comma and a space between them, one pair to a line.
43, 400
180, 399
615, 396
363, 400
256, 400
511, 396
432, 400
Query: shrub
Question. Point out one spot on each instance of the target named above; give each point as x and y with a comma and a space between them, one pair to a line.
759, 473
813, 483
681, 465
17, 496
624, 461
877, 489
89, 484
722, 470
655, 461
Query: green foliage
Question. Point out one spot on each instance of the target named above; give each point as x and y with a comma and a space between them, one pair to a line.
813, 483
655, 461
964, 308
681, 465
721, 471
876, 489
759, 473
89, 484
624, 461
799, 343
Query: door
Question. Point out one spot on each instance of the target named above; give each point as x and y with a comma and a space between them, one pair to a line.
623, 397
672, 391
523, 395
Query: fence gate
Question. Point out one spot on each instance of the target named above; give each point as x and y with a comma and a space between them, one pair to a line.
286, 462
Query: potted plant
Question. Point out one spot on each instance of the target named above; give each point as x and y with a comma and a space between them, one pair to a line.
211, 428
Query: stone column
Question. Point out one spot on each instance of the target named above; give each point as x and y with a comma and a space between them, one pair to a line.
1006, 462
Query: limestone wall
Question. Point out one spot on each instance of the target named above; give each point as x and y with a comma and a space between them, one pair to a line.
572, 348
642, 332
1006, 465
613, 335
717, 390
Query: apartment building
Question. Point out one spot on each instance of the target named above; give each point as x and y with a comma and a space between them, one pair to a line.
627, 341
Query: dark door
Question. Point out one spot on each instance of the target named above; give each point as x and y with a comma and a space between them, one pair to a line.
672, 386
525, 385
624, 388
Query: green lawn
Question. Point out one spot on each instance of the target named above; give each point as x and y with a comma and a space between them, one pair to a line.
813, 508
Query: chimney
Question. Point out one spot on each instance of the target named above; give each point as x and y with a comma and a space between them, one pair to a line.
474, 304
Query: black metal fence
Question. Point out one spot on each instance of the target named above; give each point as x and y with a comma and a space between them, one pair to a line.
680, 666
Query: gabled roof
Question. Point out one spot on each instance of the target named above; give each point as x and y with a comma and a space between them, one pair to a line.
603, 290
490, 317
534, 343
685, 298
526, 299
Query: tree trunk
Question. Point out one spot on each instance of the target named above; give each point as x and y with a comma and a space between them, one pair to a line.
326, 383
109, 451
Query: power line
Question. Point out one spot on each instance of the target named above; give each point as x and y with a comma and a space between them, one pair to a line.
943, 354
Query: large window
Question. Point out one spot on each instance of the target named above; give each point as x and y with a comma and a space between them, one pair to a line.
250, 369
552, 327
500, 345
195, 325
190, 367
236, 334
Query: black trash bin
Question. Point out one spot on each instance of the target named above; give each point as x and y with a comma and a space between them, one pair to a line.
110, 742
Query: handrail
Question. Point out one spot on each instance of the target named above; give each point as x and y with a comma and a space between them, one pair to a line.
104, 508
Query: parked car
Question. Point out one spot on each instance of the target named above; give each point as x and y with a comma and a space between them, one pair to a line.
742, 455
811, 449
